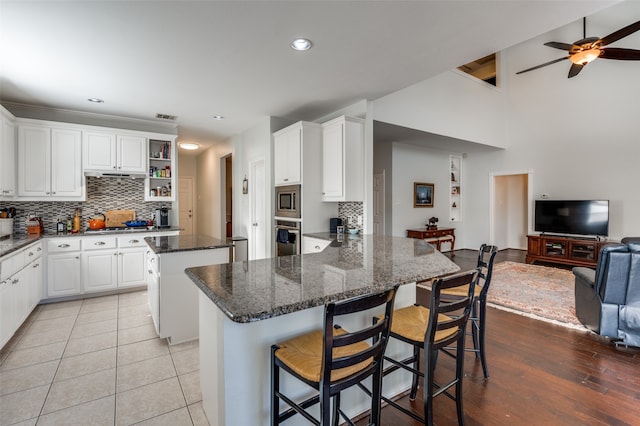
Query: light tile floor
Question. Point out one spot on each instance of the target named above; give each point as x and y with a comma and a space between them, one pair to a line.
98, 362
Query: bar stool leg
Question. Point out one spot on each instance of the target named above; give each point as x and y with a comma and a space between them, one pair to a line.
416, 377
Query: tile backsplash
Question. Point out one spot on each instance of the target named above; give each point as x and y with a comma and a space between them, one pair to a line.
102, 194
351, 213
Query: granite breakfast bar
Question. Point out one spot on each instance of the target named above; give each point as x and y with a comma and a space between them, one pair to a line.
245, 307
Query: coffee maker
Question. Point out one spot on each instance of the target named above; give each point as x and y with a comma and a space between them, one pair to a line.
162, 217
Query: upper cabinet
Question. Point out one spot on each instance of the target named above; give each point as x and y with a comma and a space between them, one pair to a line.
117, 153
287, 151
50, 163
343, 159
7, 155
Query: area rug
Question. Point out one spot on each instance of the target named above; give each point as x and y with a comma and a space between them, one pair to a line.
539, 292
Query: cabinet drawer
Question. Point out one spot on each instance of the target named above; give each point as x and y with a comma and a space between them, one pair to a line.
33, 252
132, 241
100, 243
63, 245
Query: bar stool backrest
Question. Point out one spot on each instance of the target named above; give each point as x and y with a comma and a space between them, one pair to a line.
486, 256
449, 317
377, 333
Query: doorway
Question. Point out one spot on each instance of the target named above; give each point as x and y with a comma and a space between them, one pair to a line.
259, 217
226, 175
510, 209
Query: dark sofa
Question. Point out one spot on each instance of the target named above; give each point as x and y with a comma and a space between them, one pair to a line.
608, 299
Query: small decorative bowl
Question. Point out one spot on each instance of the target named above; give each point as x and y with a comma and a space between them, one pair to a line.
354, 231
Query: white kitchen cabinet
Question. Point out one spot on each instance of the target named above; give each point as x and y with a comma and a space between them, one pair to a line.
50, 163
63, 267
343, 159
99, 270
20, 288
111, 152
287, 153
7, 155
132, 263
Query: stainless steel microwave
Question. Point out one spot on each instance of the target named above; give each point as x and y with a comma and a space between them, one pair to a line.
288, 201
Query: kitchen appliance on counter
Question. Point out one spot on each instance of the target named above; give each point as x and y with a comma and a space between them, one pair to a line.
162, 217
288, 201
334, 222
288, 238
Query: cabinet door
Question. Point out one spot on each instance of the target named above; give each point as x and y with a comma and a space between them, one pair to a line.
34, 161
8, 309
63, 275
287, 151
35, 283
132, 270
66, 163
132, 154
333, 162
8, 159
99, 270
99, 151
21, 282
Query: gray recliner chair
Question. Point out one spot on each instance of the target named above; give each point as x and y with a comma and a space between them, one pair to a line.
608, 299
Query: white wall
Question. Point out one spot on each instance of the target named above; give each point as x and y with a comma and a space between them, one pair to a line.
416, 164
449, 104
383, 161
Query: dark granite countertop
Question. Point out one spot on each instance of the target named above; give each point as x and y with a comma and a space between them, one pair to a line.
16, 242
261, 289
172, 244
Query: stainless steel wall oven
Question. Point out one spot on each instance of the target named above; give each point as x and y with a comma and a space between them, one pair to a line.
288, 238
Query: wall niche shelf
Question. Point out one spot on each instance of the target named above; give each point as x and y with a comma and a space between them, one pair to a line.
455, 186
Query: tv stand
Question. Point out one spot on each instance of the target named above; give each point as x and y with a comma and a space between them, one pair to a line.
575, 251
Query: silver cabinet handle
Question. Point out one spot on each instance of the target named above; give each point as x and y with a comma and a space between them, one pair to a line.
15, 281
39, 249
133, 241
317, 247
63, 245
99, 243
150, 272
286, 180
30, 253
53, 193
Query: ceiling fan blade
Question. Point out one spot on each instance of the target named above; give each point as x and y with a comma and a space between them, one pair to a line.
575, 69
620, 53
561, 46
623, 32
543, 65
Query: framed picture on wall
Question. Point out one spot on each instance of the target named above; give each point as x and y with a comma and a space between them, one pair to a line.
422, 194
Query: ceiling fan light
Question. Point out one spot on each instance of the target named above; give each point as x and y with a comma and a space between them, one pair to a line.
583, 57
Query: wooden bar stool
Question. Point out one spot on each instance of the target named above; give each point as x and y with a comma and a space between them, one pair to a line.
486, 256
333, 359
432, 329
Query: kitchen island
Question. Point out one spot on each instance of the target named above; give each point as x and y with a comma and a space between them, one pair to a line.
173, 300
245, 307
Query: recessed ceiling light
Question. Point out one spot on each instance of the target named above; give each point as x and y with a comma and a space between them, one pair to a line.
301, 44
96, 100
218, 117
189, 146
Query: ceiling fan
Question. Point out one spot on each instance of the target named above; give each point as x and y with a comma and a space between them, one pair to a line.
586, 50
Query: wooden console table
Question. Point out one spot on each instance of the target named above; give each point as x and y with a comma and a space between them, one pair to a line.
565, 250
435, 236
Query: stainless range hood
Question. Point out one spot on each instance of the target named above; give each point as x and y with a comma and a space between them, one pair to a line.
99, 174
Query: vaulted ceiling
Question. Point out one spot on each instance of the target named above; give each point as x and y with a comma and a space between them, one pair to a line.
194, 60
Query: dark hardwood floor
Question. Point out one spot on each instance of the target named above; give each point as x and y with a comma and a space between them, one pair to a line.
540, 374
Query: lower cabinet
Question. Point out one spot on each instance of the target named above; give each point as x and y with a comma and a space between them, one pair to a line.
63, 267
20, 288
132, 267
99, 270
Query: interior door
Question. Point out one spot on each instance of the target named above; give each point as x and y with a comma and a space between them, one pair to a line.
259, 215
185, 201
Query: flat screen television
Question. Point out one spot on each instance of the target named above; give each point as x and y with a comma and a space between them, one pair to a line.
576, 217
